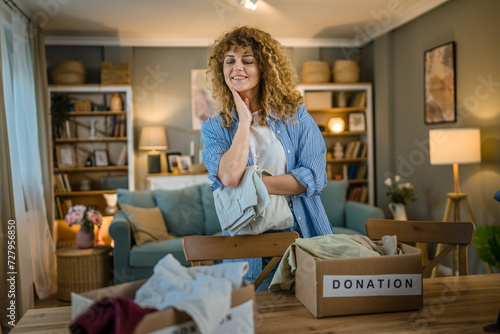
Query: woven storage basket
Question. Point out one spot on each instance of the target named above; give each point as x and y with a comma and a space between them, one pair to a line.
345, 71
115, 75
83, 105
80, 270
315, 72
68, 72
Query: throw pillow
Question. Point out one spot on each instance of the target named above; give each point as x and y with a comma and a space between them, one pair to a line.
182, 210
147, 224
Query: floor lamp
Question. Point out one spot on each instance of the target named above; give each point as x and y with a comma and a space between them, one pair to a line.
153, 139
454, 146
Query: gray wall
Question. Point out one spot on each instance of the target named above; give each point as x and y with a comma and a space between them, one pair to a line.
402, 136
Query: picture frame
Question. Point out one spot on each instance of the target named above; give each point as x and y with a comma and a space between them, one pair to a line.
357, 122
440, 84
184, 162
202, 105
172, 160
66, 156
101, 158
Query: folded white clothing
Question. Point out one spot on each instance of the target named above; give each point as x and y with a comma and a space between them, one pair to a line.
202, 292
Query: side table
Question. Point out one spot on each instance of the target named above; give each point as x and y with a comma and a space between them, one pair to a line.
80, 270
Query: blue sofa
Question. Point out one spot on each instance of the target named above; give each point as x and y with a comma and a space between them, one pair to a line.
191, 211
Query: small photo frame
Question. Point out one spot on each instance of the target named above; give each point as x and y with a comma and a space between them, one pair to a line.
172, 160
184, 162
440, 84
101, 158
357, 122
66, 156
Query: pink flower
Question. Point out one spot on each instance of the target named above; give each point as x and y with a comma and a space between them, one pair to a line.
79, 214
69, 219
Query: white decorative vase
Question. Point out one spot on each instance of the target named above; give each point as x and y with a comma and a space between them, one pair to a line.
398, 211
111, 201
338, 151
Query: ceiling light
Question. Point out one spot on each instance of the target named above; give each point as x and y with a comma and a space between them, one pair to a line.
250, 4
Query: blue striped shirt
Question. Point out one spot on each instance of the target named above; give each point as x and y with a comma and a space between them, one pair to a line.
305, 151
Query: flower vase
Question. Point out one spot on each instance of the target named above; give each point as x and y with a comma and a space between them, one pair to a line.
85, 237
398, 211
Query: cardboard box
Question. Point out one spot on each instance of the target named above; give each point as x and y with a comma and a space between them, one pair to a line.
318, 100
359, 285
239, 319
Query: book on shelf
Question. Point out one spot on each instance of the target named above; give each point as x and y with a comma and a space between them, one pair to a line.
59, 208
353, 172
363, 150
358, 194
122, 158
123, 120
65, 205
361, 173
66, 182
352, 149
359, 100
62, 184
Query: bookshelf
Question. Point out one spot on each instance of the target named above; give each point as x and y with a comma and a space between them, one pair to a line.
353, 104
93, 149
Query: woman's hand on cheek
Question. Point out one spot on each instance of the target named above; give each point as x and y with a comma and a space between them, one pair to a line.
242, 108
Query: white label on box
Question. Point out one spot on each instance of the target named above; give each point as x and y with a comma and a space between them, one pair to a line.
238, 320
372, 285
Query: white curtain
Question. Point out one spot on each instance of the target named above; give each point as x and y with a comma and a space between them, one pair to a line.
35, 245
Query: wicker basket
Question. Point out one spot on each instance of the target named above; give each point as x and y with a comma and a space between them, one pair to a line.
315, 72
115, 75
80, 270
345, 71
69, 72
83, 105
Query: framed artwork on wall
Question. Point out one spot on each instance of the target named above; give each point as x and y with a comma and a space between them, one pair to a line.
440, 84
202, 106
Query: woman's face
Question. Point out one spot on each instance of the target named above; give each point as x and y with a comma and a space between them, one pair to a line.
241, 72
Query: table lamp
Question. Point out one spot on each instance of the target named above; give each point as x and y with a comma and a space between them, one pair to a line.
455, 146
153, 139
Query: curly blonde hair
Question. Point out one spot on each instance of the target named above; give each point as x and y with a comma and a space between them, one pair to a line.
277, 93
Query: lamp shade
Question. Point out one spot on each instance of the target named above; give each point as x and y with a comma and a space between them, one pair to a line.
153, 138
455, 146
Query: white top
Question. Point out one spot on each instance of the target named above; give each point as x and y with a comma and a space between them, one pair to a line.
267, 151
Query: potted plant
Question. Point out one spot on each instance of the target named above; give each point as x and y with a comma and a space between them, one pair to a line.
487, 244
59, 108
399, 193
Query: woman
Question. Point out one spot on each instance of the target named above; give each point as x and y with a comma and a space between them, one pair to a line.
262, 121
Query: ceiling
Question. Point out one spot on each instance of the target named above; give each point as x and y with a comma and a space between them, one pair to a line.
197, 22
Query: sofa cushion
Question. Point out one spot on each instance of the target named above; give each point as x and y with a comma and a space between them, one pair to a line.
182, 210
147, 224
333, 197
150, 253
139, 198
210, 219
